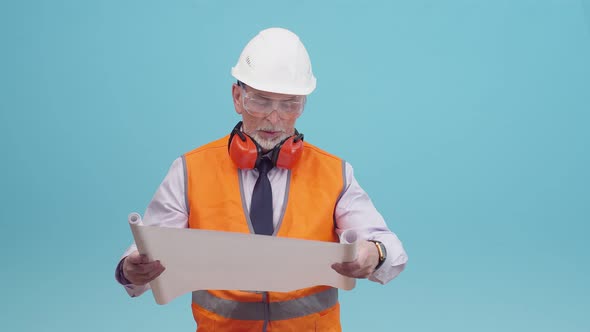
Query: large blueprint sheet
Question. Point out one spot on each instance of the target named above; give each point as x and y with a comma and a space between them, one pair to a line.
201, 259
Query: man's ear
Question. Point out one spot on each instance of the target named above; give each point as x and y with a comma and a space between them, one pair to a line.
236, 92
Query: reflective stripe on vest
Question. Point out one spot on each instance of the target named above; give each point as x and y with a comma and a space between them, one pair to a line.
295, 308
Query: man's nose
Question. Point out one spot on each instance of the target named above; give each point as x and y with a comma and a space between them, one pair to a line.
274, 117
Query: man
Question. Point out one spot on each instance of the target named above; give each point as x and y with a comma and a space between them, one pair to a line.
264, 179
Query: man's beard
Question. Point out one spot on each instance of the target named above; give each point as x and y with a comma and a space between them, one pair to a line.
268, 144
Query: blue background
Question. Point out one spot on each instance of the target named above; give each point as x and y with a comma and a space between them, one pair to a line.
466, 121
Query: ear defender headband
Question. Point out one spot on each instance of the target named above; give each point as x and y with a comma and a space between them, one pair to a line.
245, 152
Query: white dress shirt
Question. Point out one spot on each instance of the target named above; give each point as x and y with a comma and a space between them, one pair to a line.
356, 217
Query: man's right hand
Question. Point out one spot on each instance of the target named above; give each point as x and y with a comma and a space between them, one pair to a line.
139, 270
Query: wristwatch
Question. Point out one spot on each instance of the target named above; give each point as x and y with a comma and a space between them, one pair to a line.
382, 253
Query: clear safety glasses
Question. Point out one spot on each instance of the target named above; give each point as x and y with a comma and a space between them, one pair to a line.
261, 107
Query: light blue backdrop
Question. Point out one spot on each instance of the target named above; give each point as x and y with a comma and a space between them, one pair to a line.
466, 121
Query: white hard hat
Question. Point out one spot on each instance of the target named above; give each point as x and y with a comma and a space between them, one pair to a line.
276, 61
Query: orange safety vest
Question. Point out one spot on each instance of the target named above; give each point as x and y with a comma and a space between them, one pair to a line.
214, 194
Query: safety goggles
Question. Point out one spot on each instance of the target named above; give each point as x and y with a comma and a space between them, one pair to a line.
261, 107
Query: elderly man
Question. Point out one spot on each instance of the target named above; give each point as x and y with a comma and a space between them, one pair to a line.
264, 179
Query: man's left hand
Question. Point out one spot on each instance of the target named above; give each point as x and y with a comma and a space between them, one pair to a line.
364, 265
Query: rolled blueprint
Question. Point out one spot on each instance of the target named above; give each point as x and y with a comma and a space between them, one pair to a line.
202, 259
134, 218
135, 222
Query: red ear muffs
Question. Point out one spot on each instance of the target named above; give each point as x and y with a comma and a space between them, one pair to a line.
245, 152
288, 152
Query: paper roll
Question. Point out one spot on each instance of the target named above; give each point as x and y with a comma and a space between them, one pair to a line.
134, 218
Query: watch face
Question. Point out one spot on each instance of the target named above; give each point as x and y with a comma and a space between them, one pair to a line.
381, 249
383, 252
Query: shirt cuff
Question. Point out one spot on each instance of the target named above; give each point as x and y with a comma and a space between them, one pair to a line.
119, 275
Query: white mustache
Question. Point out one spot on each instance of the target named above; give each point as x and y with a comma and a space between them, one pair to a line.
272, 129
